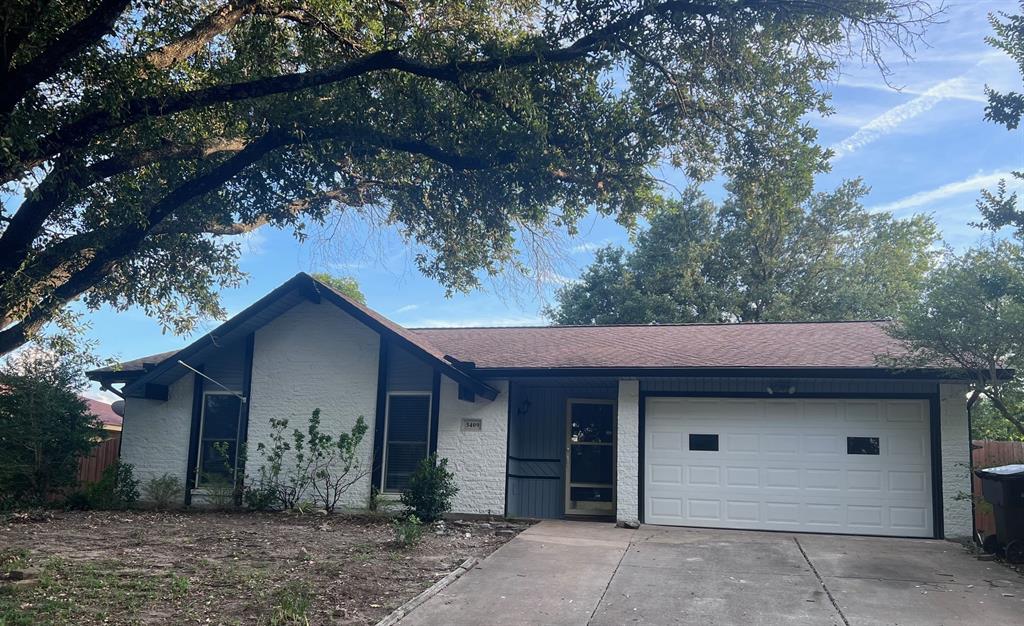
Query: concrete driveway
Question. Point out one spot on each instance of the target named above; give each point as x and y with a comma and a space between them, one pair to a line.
588, 573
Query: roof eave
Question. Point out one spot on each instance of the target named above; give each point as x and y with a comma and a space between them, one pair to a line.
929, 374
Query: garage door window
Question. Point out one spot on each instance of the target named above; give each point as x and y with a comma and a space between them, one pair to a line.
862, 445
704, 443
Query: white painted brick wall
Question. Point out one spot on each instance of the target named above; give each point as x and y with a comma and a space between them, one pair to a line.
476, 458
956, 461
315, 356
627, 490
155, 434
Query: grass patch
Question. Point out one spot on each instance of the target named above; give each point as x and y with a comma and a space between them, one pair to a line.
290, 604
69, 593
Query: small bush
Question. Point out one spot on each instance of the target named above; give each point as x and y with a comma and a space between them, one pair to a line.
164, 492
431, 490
261, 497
116, 489
408, 531
309, 464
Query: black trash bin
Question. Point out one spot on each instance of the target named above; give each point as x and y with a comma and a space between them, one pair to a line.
1003, 488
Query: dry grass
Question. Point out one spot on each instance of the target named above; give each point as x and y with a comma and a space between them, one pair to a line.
222, 568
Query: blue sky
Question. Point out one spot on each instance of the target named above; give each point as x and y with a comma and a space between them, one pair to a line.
922, 148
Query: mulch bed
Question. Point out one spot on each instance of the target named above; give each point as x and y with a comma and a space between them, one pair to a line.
139, 567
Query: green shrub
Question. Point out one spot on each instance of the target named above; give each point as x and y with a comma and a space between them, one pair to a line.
116, 489
164, 492
408, 530
431, 490
45, 428
261, 497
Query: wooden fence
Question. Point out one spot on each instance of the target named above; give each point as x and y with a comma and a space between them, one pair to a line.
90, 469
991, 454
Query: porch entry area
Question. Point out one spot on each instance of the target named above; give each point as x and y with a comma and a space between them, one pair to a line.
562, 448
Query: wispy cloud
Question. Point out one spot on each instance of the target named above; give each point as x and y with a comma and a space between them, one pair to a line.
889, 121
589, 246
406, 308
448, 322
972, 185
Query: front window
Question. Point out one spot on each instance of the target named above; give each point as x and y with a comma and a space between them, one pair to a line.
218, 438
408, 429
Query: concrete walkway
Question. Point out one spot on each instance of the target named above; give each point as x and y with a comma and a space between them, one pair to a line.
588, 573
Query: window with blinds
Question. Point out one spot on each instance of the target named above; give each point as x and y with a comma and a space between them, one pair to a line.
406, 438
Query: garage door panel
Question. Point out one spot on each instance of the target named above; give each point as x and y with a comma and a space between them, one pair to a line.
788, 467
862, 411
741, 443
906, 412
866, 480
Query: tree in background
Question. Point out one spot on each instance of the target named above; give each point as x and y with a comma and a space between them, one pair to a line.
137, 137
45, 428
345, 284
972, 313
971, 318
820, 257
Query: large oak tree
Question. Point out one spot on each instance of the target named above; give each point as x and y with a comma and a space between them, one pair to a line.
135, 134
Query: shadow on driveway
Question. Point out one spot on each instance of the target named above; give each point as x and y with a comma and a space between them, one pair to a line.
560, 572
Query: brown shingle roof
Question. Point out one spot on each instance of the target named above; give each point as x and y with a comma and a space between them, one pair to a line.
137, 364
760, 345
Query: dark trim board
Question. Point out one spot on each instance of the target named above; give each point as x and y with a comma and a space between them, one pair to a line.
377, 469
435, 411
935, 440
934, 430
508, 439
243, 421
517, 458
875, 373
193, 436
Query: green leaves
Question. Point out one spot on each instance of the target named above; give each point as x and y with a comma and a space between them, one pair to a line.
971, 319
175, 125
756, 258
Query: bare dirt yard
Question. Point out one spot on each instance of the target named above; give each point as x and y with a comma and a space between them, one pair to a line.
139, 567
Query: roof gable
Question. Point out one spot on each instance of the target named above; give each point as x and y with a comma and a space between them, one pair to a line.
299, 288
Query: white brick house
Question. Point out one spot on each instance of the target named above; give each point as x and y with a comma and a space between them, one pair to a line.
761, 426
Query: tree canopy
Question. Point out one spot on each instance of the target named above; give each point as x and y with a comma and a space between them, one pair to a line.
825, 258
345, 284
972, 319
971, 316
137, 137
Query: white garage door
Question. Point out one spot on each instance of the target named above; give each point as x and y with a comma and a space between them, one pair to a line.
812, 465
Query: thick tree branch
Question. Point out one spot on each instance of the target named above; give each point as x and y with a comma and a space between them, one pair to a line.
85, 128
67, 176
48, 62
220, 21
100, 252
